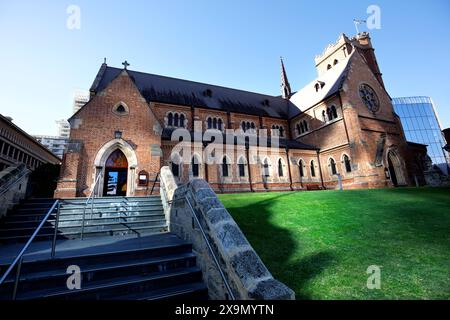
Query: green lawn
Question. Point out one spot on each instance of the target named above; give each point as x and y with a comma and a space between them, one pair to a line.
321, 243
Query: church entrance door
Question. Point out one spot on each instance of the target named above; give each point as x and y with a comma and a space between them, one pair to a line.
116, 173
395, 170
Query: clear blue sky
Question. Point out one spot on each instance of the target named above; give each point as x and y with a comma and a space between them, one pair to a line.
229, 43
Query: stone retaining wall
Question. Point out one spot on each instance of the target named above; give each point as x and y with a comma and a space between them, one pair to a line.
244, 271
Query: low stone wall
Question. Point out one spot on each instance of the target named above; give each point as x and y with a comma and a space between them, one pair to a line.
10, 192
244, 271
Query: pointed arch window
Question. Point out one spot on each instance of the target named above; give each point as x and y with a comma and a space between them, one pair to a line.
300, 168
241, 167
347, 163
332, 165
170, 119
225, 167
280, 168
313, 169
182, 120
334, 112
195, 167
210, 123
266, 171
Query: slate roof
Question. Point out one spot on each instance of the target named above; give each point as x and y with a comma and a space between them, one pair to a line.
332, 81
164, 89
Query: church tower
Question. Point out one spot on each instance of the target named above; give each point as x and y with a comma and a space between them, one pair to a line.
343, 47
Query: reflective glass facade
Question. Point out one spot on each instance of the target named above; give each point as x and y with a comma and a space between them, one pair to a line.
421, 125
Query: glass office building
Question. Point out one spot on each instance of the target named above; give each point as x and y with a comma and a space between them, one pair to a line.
421, 125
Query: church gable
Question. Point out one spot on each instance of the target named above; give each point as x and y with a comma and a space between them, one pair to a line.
362, 90
119, 105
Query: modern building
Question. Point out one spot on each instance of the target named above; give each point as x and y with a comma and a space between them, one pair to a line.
55, 144
63, 128
340, 129
80, 99
421, 125
18, 147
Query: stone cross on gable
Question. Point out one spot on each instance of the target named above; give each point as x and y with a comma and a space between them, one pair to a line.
125, 64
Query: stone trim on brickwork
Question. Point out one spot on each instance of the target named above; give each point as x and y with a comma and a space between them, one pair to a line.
244, 271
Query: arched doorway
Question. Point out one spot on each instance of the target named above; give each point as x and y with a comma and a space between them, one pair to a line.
395, 170
116, 174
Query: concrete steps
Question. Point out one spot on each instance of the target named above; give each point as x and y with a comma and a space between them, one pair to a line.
111, 216
153, 267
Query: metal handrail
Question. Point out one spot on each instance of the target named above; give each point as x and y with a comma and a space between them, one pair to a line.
216, 261
10, 185
154, 183
19, 257
91, 195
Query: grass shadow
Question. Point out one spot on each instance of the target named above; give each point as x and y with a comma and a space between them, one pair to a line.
277, 245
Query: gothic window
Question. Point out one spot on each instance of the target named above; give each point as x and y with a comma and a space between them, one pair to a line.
324, 117
209, 123
329, 67
266, 172
215, 123
305, 126
241, 167
175, 119
313, 169
302, 127
334, 112
120, 109
347, 163
300, 168
195, 167
369, 97
280, 168
277, 130
247, 125
182, 121
332, 165
335, 62
225, 167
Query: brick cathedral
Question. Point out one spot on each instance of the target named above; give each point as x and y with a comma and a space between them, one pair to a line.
341, 127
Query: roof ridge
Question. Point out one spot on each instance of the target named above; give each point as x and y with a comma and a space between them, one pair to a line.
197, 82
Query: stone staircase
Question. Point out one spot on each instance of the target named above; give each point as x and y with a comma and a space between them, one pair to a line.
126, 253
110, 216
